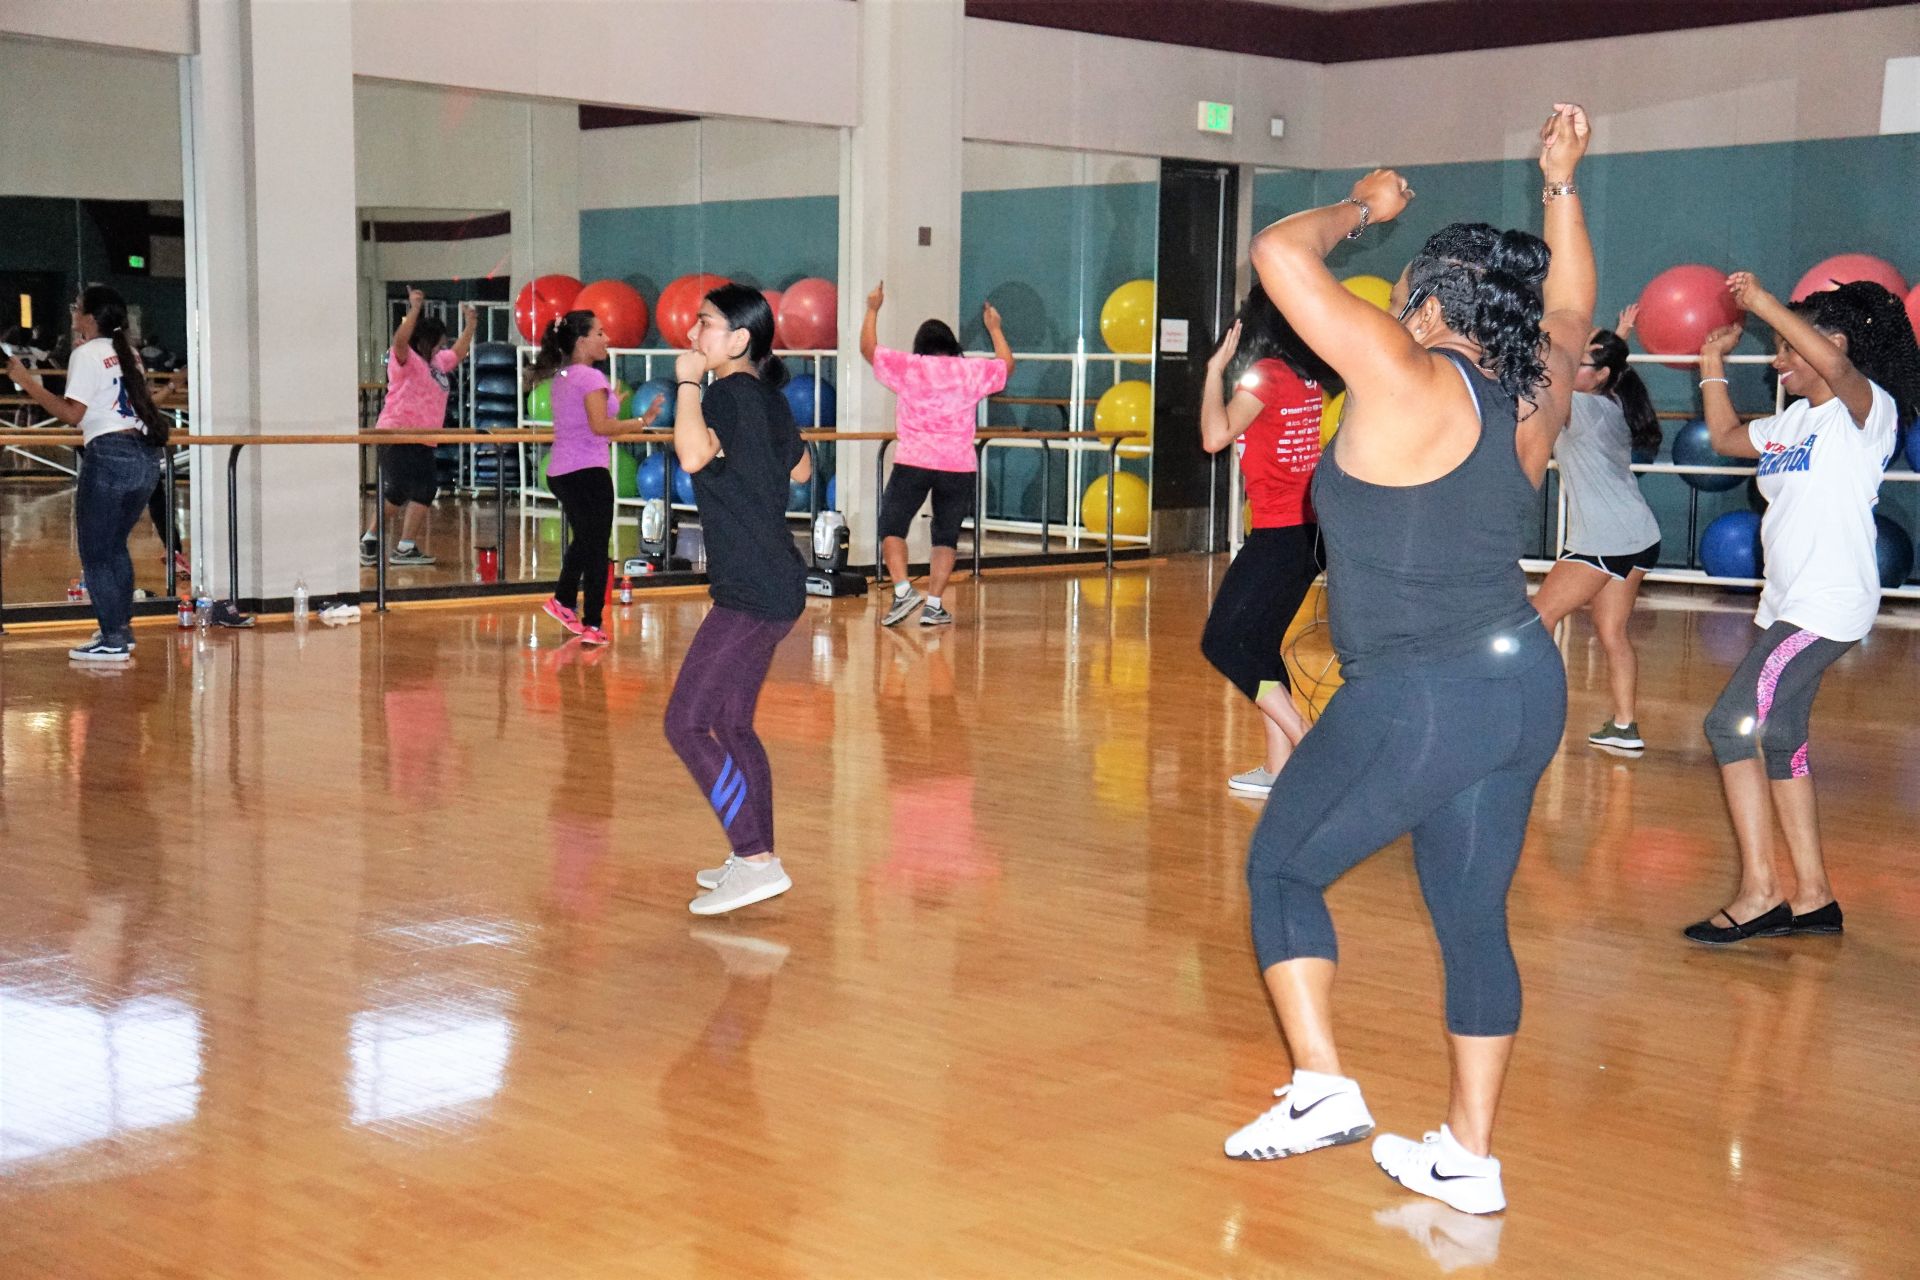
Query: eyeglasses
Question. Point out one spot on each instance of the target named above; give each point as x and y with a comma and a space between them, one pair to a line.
1414, 300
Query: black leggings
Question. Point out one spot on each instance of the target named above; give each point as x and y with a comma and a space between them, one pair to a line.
1257, 601
586, 500
1765, 707
709, 721
1450, 751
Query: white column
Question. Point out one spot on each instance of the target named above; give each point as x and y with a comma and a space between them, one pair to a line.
903, 175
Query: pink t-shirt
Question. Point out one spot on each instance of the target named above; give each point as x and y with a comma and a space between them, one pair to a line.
935, 414
575, 447
417, 391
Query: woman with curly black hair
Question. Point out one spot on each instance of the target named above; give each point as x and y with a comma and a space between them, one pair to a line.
1848, 357
1612, 537
1454, 696
1263, 394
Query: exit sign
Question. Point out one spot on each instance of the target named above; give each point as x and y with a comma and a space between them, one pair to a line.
1216, 117
136, 263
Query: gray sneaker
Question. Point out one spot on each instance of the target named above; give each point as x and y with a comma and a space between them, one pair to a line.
902, 606
1254, 782
712, 876
414, 556
369, 550
743, 884
935, 615
1621, 737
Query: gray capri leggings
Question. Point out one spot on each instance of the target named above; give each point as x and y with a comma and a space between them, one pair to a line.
1766, 704
1450, 751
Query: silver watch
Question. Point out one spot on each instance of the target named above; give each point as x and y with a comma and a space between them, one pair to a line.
1366, 216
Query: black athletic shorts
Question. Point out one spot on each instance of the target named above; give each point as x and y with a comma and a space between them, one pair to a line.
909, 486
1618, 566
408, 474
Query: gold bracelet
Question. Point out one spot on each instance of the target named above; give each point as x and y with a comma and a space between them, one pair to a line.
1555, 189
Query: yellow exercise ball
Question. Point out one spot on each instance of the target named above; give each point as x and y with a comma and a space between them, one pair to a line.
1330, 417
1126, 318
1130, 506
1371, 289
1125, 406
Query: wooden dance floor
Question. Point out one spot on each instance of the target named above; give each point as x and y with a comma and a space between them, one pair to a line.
364, 952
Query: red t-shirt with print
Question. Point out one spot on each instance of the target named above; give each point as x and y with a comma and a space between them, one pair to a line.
1281, 447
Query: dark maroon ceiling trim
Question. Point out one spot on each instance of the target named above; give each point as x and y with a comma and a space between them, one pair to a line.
592, 117
1393, 31
396, 231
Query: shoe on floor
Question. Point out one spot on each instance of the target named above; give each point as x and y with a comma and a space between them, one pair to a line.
1440, 1167
935, 615
100, 650
711, 877
133, 644
1621, 737
743, 884
1768, 924
369, 549
1827, 919
410, 556
563, 615
901, 607
594, 635
1314, 1111
1254, 782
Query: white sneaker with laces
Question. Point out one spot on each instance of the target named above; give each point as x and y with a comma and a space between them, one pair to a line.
1314, 1111
1254, 782
741, 885
902, 606
1440, 1167
711, 877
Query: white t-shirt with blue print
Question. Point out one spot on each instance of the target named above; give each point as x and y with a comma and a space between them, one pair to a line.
1820, 474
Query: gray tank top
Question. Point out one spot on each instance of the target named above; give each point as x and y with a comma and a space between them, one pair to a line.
1428, 571
1606, 513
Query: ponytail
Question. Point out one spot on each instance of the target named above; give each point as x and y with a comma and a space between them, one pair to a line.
557, 343
747, 309
109, 312
1609, 352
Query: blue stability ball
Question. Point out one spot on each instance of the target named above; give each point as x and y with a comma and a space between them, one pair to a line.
800, 495
1913, 446
661, 389
1693, 447
683, 487
1894, 550
651, 479
801, 392
833, 493
1730, 548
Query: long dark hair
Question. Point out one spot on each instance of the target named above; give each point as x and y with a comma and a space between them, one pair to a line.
556, 344
428, 333
1488, 283
1880, 338
747, 309
1265, 334
109, 312
935, 338
1608, 350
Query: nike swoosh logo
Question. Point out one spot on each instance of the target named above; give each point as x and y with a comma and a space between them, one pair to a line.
1296, 1112
1438, 1176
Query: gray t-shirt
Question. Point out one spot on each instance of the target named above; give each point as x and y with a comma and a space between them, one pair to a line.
1606, 514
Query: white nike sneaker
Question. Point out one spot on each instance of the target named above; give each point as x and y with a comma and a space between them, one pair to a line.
1440, 1167
1314, 1111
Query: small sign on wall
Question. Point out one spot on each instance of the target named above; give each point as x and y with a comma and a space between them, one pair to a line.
1216, 117
1173, 337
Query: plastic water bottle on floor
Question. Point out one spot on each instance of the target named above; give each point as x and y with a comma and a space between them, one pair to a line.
300, 599
203, 611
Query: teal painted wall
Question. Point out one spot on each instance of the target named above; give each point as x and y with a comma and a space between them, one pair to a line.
1775, 209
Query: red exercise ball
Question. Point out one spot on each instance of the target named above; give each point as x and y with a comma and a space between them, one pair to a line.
541, 302
1913, 308
773, 300
1681, 306
622, 311
809, 316
680, 306
1845, 268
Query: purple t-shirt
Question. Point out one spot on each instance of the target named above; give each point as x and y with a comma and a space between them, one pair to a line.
575, 447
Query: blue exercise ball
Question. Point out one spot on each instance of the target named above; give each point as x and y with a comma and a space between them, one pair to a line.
1642, 456
1893, 548
1730, 548
833, 493
1693, 447
1913, 446
800, 495
650, 481
661, 389
683, 487
802, 392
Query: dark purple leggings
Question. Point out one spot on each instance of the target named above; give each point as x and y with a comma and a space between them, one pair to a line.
710, 721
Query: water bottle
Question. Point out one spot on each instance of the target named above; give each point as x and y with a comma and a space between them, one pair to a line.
203, 611
186, 612
626, 590
300, 599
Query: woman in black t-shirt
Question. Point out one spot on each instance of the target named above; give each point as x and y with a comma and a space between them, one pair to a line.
739, 443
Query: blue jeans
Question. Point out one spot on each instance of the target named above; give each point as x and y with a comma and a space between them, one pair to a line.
118, 473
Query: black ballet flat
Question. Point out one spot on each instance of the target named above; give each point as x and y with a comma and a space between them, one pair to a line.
1827, 919
1776, 923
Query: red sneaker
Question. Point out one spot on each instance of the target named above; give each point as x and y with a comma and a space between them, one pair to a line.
564, 616
594, 635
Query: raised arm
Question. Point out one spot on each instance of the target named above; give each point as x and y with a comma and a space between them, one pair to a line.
870, 327
1222, 421
1826, 356
694, 444
1567, 295
470, 326
990, 316
402, 346
1729, 435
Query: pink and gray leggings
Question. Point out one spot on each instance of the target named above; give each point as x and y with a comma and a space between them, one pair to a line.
1766, 704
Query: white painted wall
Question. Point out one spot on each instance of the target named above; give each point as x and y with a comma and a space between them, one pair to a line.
1782, 81
87, 123
158, 26
1000, 166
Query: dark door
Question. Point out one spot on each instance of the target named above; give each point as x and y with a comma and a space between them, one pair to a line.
1198, 240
